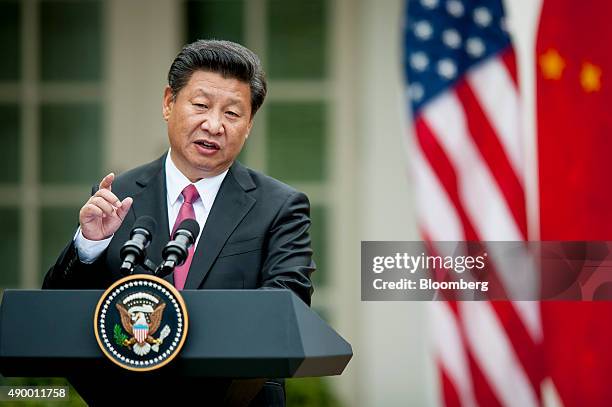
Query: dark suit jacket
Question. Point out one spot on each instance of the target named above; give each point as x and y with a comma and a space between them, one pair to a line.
256, 235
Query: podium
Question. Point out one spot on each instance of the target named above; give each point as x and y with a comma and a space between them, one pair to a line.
236, 339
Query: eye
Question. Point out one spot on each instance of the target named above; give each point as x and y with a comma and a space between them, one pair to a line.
233, 114
200, 105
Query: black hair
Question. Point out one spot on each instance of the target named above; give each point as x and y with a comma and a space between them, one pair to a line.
226, 58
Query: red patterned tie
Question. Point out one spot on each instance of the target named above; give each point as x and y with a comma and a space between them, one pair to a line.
190, 195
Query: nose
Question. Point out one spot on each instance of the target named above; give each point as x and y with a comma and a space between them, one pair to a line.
213, 123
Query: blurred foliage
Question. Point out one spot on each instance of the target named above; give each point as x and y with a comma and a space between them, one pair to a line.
74, 399
310, 392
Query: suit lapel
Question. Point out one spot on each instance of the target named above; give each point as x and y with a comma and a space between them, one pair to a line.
152, 201
230, 207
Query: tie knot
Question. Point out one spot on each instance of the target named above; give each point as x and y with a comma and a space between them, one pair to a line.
190, 194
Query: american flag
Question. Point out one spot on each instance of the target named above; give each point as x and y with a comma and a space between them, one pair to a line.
468, 170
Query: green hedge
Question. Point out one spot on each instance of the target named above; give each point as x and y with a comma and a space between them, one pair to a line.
310, 392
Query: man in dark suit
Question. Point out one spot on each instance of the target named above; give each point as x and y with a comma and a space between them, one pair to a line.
254, 228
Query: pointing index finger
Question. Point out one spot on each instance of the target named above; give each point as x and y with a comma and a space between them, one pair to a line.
107, 181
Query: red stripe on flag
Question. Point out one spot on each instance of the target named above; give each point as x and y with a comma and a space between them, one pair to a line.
492, 151
482, 389
445, 172
449, 393
527, 351
508, 57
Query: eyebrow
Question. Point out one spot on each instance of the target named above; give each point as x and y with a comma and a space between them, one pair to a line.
232, 101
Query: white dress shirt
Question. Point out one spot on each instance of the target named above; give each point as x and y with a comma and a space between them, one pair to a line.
90, 250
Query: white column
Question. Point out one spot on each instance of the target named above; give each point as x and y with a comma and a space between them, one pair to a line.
343, 286
395, 369
142, 39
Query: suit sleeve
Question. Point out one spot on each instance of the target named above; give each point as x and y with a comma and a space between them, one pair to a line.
289, 261
69, 272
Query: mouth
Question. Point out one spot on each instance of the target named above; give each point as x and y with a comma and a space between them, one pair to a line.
208, 145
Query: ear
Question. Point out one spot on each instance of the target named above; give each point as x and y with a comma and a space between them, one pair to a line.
167, 103
249, 126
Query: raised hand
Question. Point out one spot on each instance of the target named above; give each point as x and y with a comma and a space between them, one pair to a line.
103, 213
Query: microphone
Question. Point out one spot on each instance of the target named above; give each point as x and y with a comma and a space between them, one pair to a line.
133, 251
176, 251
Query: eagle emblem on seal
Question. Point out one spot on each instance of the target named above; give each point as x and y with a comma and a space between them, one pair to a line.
141, 315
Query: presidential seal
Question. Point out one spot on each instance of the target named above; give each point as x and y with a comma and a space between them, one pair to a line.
141, 322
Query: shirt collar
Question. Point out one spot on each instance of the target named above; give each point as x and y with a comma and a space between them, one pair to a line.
176, 182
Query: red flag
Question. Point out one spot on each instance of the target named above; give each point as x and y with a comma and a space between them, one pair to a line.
574, 98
